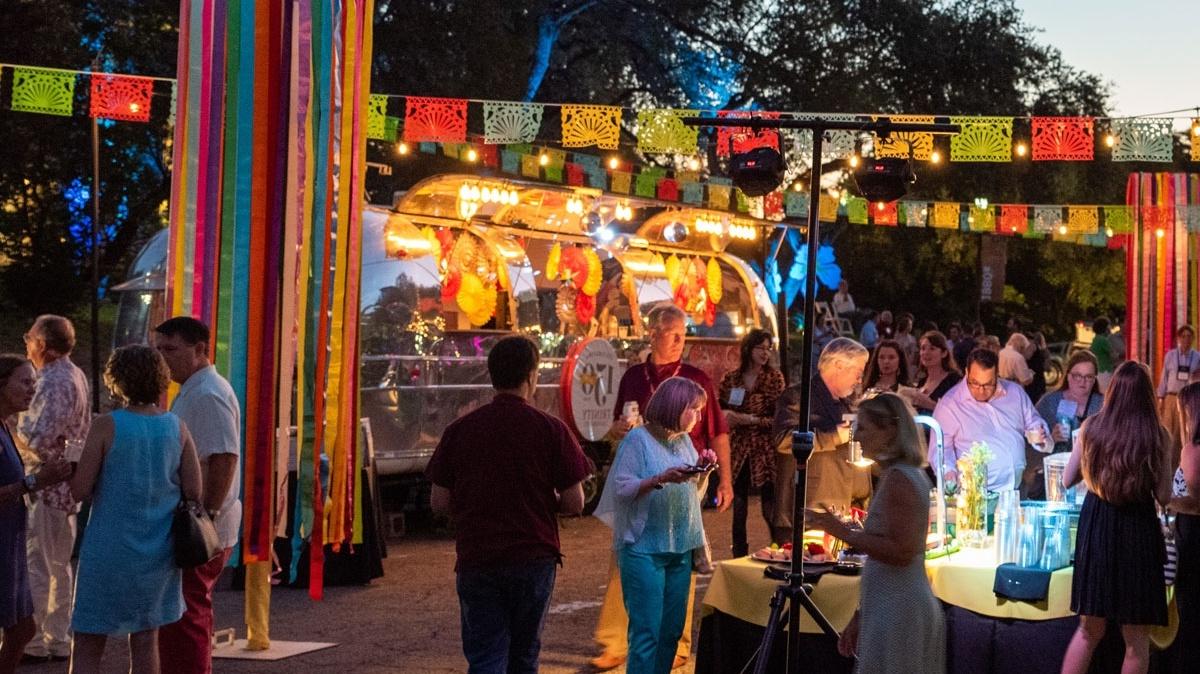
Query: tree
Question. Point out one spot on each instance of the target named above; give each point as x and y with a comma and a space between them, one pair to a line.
45, 161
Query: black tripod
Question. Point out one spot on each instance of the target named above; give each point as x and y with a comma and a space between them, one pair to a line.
794, 593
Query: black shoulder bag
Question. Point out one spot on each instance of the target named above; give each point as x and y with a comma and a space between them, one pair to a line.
196, 539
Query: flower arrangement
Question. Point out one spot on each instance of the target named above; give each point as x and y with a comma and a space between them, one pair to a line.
971, 506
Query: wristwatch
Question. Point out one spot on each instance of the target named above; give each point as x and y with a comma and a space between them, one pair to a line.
30, 482
214, 514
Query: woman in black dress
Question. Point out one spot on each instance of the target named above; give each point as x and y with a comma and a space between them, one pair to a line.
1123, 457
937, 375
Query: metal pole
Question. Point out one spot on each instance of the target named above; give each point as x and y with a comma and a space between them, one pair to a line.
806, 369
95, 266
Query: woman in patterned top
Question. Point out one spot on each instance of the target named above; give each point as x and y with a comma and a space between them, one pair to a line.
748, 396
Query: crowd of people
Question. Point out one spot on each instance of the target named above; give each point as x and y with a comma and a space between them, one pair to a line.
133, 467
1127, 440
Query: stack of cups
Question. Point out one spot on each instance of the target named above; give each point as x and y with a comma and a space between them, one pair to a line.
1031, 536
1008, 527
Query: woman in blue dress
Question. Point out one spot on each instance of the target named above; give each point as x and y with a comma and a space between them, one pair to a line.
17, 383
137, 464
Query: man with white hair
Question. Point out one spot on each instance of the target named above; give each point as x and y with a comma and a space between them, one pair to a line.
1014, 365
831, 479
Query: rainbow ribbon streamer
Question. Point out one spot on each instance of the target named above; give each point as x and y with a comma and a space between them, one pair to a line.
266, 204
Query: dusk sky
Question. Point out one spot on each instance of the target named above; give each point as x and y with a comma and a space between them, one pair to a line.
1147, 50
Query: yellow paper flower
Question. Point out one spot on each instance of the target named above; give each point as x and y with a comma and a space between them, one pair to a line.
552, 262
672, 266
476, 299
502, 276
714, 281
595, 273
435, 246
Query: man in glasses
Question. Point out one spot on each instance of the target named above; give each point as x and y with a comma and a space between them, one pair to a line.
984, 408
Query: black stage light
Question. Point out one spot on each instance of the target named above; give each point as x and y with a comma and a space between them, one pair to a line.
883, 180
757, 172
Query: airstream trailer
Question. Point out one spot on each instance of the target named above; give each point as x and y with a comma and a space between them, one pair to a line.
424, 349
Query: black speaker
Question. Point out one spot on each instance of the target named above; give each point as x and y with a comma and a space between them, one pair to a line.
757, 172
884, 179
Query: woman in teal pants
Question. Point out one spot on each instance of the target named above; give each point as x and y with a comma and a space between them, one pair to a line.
650, 502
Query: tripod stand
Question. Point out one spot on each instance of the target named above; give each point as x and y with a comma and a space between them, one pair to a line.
793, 595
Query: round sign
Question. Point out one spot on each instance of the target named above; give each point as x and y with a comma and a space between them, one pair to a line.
589, 387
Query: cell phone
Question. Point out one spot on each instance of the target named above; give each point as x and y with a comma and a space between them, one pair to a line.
700, 468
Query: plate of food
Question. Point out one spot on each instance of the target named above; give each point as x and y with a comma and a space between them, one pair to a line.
813, 553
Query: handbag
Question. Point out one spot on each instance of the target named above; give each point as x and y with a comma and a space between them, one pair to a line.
196, 539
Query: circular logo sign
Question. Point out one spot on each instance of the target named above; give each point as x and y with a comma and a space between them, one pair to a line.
589, 387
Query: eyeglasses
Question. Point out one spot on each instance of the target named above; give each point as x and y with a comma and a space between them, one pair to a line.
1075, 376
764, 347
982, 387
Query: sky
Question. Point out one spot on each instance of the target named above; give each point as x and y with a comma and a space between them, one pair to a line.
1147, 49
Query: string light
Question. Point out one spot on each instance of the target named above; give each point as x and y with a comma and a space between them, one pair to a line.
1108, 231
1160, 232
575, 206
402, 148
693, 164
623, 212
1196, 126
797, 187
935, 157
472, 155
1109, 139
1062, 230
543, 159
854, 161
135, 108
880, 206
1022, 149
614, 163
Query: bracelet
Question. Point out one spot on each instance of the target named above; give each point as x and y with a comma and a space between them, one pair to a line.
657, 483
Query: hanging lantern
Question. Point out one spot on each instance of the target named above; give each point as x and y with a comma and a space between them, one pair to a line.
672, 265
715, 291
552, 262
595, 273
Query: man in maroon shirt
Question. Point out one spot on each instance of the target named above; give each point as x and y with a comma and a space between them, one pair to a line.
503, 472
668, 329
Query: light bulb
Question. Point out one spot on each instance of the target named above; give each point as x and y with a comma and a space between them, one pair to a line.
1062, 230
544, 159
1022, 149
797, 187
134, 108
693, 164
935, 157
1110, 140
401, 148
879, 206
614, 163
854, 161
1108, 232
1160, 232
472, 155
1196, 126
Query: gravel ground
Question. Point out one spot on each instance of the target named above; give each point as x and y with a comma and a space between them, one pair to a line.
407, 621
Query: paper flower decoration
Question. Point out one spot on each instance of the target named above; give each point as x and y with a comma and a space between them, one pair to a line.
585, 308
552, 262
713, 284
451, 285
435, 244
672, 266
574, 267
502, 277
476, 299
595, 273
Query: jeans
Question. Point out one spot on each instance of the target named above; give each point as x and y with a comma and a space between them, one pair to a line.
741, 498
503, 610
656, 598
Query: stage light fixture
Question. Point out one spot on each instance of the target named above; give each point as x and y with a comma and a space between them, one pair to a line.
884, 180
757, 172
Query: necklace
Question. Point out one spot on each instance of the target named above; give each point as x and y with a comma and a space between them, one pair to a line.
650, 366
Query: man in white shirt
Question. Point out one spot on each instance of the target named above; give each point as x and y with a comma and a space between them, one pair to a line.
208, 406
1013, 363
843, 302
984, 408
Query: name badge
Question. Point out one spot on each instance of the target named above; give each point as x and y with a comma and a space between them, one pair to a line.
1183, 373
737, 396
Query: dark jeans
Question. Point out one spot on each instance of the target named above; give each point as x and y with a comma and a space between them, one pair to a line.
1186, 650
741, 507
503, 609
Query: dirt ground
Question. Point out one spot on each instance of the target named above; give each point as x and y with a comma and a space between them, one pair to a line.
407, 621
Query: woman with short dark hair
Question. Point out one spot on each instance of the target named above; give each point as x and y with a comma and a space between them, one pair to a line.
17, 627
650, 502
137, 464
